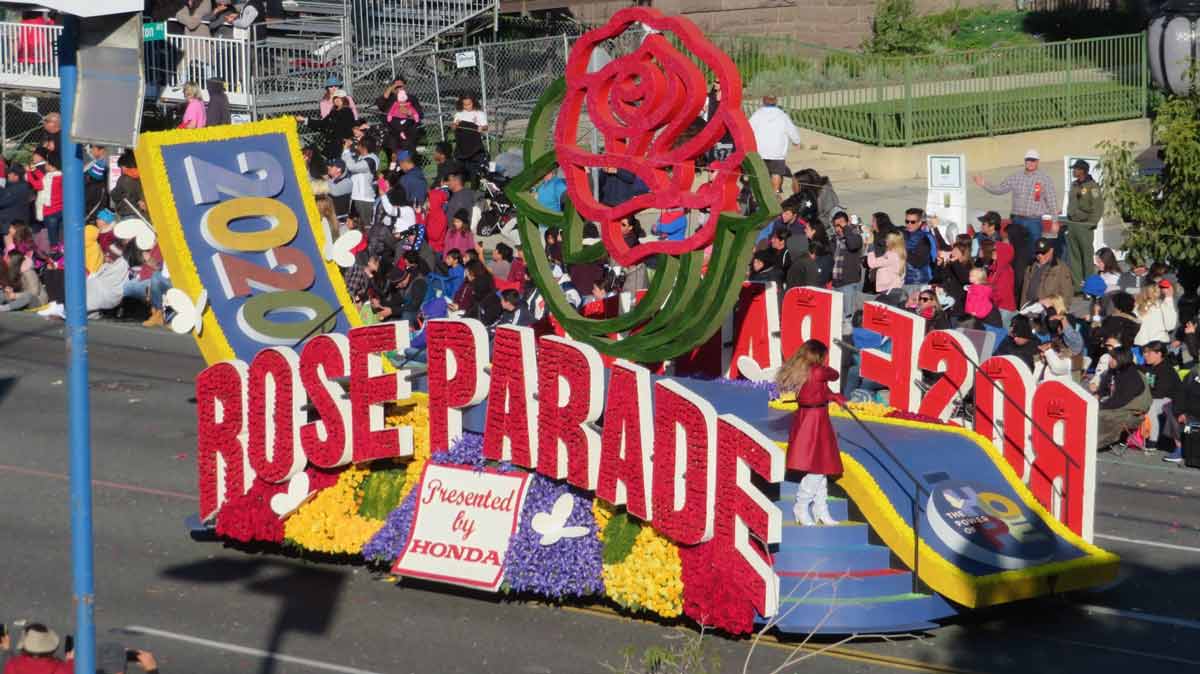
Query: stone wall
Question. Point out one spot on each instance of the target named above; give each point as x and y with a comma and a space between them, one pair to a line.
834, 23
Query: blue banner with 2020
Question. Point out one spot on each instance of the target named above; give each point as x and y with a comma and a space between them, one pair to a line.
236, 218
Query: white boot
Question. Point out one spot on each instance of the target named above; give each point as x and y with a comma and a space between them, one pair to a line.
800, 511
805, 494
821, 503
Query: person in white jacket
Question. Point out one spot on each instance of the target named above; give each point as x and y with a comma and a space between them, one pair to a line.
1155, 308
773, 130
362, 165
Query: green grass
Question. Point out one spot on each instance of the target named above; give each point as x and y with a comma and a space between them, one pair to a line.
936, 118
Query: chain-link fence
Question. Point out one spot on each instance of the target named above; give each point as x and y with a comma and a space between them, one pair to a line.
21, 118
507, 78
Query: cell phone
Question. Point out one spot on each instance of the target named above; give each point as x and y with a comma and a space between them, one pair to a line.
131, 655
69, 643
3, 630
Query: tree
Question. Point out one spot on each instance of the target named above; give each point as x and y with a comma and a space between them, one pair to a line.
1164, 224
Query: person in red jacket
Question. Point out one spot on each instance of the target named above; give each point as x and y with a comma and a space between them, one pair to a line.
36, 653
436, 220
812, 444
46, 179
998, 259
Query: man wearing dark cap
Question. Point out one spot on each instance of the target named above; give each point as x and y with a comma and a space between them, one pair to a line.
341, 188
1046, 276
1085, 205
989, 224
412, 179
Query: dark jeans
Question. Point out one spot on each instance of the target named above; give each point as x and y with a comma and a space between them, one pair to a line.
1031, 225
53, 226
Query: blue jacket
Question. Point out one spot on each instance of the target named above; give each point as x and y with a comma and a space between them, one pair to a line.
414, 185
550, 193
919, 271
448, 283
672, 230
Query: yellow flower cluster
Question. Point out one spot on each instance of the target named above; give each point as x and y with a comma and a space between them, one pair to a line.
650, 578
870, 409
330, 521
417, 416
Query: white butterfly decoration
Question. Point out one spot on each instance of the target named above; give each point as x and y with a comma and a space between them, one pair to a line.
341, 252
553, 525
751, 370
137, 229
297, 493
187, 313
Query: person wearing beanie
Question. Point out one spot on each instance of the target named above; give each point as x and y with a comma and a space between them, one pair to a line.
1021, 341
1120, 323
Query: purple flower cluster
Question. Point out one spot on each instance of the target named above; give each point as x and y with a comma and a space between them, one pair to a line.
385, 546
570, 567
466, 451
389, 541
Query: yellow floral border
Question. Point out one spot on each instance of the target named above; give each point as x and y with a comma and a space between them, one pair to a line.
161, 201
1097, 567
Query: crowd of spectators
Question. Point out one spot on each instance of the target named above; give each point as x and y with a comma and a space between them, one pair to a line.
1032, 280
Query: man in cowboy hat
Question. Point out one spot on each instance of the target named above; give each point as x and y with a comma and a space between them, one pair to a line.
36, 653
1085, 205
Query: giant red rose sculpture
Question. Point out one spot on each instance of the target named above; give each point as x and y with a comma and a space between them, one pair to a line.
651, 109
642, 104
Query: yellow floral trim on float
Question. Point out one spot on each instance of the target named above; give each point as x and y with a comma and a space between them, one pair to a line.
1095, 568
330, 522
160, 200
413, 412
650, 577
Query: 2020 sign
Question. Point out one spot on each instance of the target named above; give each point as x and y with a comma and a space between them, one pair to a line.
234, 210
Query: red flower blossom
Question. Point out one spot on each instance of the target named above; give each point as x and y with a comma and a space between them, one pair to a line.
642, 104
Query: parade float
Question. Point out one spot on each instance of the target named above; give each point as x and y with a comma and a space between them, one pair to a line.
616, 458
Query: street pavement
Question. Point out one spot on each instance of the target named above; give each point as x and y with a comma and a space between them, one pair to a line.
207, 609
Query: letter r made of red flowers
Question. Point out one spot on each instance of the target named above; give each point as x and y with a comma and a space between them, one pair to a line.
646, 106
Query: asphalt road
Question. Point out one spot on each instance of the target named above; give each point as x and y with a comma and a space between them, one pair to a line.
206, 609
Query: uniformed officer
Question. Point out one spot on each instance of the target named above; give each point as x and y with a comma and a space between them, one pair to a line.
1085, 205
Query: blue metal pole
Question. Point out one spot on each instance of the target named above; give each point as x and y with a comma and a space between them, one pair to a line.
78, 412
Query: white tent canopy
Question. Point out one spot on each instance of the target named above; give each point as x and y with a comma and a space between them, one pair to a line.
86, 8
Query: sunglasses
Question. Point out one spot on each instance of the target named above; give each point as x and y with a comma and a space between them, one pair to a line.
925, 299
911, 222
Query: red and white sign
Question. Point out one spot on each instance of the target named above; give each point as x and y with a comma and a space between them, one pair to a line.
462, 525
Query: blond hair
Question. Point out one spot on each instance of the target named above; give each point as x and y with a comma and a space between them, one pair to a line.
895, 244
191, 90
1147, 297
977, 272
793, 374
1056, 301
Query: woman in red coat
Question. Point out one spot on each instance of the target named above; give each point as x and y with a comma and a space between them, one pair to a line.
812, 444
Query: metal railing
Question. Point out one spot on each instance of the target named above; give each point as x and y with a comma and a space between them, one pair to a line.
29, 55
386, 28
29, 60
892, 101
180, 59
291, 73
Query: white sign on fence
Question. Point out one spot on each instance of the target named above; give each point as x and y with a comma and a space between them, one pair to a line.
462, 525
465, 59
29, 104
946, 197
